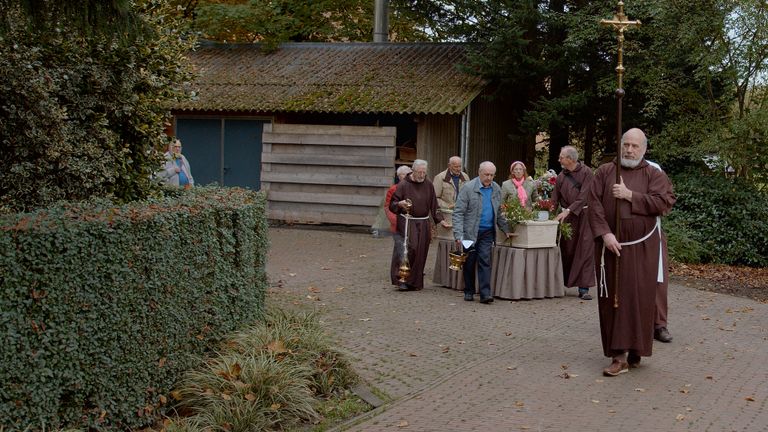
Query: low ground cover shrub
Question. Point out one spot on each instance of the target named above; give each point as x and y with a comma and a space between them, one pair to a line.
719, 220
271, 376
103, 306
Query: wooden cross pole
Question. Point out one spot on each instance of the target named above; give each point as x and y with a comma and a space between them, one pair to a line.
620, 22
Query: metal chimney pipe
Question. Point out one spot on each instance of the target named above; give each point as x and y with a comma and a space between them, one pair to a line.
381, 21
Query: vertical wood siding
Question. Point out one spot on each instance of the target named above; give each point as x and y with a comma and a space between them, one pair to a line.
494, 137
438, 138
326, 174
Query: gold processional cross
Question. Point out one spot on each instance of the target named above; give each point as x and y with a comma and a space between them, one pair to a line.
620, 22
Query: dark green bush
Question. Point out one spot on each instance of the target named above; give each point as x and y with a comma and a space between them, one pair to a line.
84, 115
682, 244
718, 220
103, 306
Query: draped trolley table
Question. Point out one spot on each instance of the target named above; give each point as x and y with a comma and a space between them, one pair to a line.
516, 273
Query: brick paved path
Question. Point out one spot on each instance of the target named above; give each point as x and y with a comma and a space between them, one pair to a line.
450, 365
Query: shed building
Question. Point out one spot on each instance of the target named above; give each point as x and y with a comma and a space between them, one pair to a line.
321, 127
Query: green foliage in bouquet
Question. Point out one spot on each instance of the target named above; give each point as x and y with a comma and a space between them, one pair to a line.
565, 230
515, 212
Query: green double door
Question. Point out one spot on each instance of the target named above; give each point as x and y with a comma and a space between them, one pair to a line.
223, 151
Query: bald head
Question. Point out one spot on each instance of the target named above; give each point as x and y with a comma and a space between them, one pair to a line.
487, 172
633, 146
454, 165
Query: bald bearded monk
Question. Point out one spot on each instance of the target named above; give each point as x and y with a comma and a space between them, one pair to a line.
644, 195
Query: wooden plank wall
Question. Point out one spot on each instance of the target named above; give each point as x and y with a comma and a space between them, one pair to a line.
326, 174
494, 137
438, 138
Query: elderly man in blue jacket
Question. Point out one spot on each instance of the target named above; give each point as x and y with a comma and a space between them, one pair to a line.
475, 217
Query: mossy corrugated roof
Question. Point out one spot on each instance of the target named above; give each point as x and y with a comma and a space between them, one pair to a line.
333, 77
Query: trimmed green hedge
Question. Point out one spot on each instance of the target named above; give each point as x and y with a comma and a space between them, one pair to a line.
103, 307
719, 220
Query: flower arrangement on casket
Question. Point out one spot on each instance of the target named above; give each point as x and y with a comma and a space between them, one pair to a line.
547, 204
515, 213
546, 183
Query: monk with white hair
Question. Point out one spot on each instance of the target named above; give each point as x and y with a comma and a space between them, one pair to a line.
415, 196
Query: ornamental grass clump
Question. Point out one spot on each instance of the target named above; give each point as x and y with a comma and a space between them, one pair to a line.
298, 338
242, 392
270, 376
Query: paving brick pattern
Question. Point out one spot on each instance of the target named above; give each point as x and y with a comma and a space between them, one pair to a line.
450, 365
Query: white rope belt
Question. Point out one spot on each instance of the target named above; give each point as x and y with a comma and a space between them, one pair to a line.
414, 217
603, 289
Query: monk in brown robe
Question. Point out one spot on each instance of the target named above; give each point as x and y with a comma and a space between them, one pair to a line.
627, 312
571, 193
418, 194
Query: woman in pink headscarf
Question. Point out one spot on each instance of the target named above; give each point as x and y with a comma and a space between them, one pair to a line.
519, 185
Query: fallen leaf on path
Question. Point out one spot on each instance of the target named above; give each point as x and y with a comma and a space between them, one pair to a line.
402, 424
595, 401
519, 404
339, 289
313, 289
364, 319
446, 349
412, 354
749, 398
641, 390
680, 417
291, 274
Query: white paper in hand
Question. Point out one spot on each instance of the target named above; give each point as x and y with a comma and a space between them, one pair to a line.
466, 243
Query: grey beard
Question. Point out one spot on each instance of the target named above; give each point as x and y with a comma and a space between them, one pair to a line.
630, 163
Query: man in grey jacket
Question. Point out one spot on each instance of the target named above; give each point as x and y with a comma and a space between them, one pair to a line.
475, 217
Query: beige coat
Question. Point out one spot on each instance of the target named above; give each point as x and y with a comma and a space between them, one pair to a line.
446, 193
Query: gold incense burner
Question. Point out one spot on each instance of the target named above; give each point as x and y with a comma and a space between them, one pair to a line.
405, 268
404, 271
457, 260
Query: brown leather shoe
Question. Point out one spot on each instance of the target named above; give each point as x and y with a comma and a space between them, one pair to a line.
633, 360
662, 335
616, 368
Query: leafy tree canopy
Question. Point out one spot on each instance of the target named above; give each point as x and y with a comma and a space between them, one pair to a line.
82, 112
695, 77
273, 21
